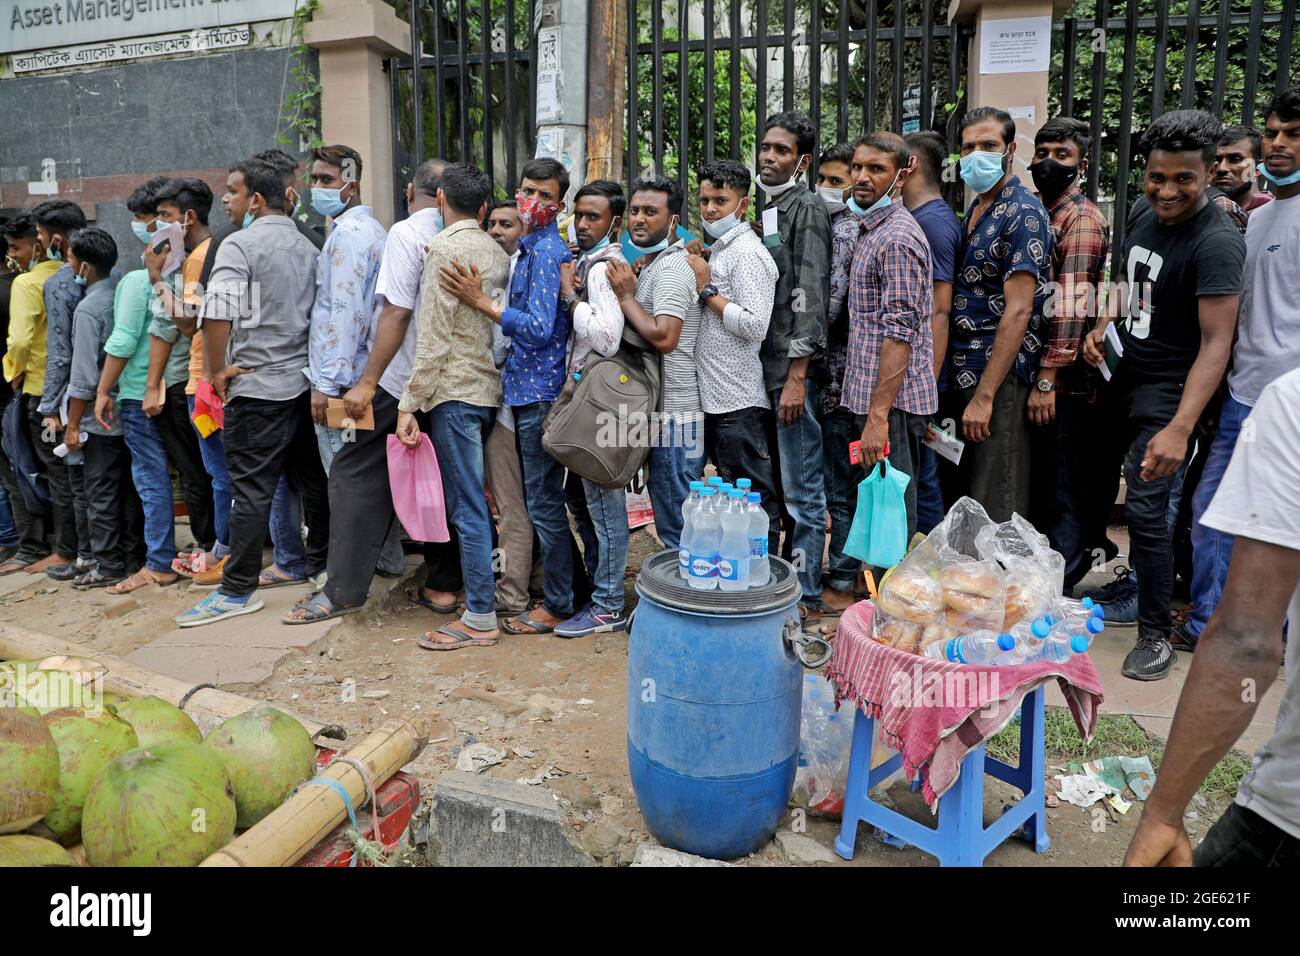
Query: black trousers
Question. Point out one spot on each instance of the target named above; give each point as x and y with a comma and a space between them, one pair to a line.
32, 533
265, 439
1065, 493
995, 472
1133, 414
1242, 837
112, 506
361, 514
182, 444
67, 489
739, 445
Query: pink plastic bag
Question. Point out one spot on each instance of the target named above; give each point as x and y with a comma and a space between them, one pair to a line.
416, 482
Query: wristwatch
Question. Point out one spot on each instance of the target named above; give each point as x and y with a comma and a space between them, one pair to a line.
1045, 386
708, 292
570, 300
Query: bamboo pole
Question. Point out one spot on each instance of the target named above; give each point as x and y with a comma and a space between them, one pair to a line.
208, 707
284, 836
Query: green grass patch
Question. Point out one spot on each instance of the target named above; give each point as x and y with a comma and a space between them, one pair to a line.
1117, 735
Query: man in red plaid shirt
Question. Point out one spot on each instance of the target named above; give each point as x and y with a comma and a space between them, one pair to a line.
1061, 406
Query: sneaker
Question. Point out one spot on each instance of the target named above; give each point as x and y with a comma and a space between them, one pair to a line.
73, 569
1118, 599
217, 607
592, 619
1151, 659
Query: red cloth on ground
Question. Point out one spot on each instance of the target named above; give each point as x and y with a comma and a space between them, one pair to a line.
936, 712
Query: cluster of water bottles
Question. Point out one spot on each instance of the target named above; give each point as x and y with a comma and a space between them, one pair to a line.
724, 537
1054, 638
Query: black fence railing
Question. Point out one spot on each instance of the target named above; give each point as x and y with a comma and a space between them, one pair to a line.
851, 66
472, 97
1119, 65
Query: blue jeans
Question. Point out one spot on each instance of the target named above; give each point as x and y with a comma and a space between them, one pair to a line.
8, 530
286, 508
929, 496
608, 510
460, 431
1211, 549
152, 483
674, 462
544, 495
838, 432
804, 490
330, 441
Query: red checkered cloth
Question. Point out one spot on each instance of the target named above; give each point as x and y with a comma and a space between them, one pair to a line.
936, 712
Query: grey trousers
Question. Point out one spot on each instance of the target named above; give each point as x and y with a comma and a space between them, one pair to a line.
995, 472
505, 480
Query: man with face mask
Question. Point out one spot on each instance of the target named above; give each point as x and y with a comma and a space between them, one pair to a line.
736, 284
662, 304
56, 220
997, 321
796, 230
889, 379
16, 236
1062, 403
1235, 170
538, 326
256, 317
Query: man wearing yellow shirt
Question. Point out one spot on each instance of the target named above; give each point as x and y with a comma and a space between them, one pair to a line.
24, 370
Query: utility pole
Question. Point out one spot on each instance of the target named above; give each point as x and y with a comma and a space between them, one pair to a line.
606, 89
561, 65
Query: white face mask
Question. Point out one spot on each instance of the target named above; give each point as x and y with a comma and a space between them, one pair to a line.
831, 194
781, 188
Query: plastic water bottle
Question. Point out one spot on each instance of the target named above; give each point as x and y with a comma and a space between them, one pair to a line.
733, 564
689, 507
1060, 648
744, 484
706, 539
715, 481
977, 647
760, 571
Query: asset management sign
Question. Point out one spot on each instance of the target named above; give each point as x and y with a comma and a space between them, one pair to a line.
38, 24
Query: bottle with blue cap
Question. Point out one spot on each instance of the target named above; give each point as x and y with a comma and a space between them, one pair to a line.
977, 647
689, 507
733, 561
706, 538
760, 569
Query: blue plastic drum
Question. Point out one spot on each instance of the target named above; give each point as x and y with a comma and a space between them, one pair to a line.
713, 706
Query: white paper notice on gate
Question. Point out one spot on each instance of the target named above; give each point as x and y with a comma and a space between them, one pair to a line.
1016, 45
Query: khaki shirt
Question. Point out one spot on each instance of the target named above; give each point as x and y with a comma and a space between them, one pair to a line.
453, 351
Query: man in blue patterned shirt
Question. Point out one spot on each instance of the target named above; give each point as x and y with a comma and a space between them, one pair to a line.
538, 328
997, 320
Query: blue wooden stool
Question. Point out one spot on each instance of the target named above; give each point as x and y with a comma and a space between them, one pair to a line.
960, 839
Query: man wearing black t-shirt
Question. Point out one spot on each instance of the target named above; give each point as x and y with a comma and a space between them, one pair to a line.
1183, 261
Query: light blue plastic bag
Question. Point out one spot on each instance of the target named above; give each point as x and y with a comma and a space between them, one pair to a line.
878, 535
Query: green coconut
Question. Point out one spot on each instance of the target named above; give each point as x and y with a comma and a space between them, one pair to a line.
87, 743
29, 770
23, 850
267, 754
154, 720
51, 690
170, 804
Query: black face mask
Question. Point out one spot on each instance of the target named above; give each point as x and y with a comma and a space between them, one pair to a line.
1052, 178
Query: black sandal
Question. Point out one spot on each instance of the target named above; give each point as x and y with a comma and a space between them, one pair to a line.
318, 607
94, 579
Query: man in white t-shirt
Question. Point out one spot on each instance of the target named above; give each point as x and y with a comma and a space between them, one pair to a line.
1268, 345
361, 504
1237, 660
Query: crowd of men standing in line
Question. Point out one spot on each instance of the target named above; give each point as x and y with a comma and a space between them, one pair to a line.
861, 310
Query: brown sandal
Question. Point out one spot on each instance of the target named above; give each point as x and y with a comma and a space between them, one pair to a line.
141, 579
459, 639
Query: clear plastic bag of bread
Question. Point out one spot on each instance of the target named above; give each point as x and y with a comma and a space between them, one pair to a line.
1034, 574
913, 606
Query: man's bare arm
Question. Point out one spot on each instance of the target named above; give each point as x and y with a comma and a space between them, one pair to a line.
941, 315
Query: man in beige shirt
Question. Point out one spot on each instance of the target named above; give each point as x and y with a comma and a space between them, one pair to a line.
455, 379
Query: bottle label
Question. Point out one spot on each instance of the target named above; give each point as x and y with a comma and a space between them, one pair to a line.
758, 547
733, 570
704, 566
684, 559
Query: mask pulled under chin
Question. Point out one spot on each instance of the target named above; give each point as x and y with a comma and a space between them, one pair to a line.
780, 189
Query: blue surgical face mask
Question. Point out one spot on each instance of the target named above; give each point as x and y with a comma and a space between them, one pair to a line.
1289, 180
248, 219
597, 247
437, 220
982, 170
659, 246
56, 255
854, 208
141, 230
79, 279
886, 200
327, 201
